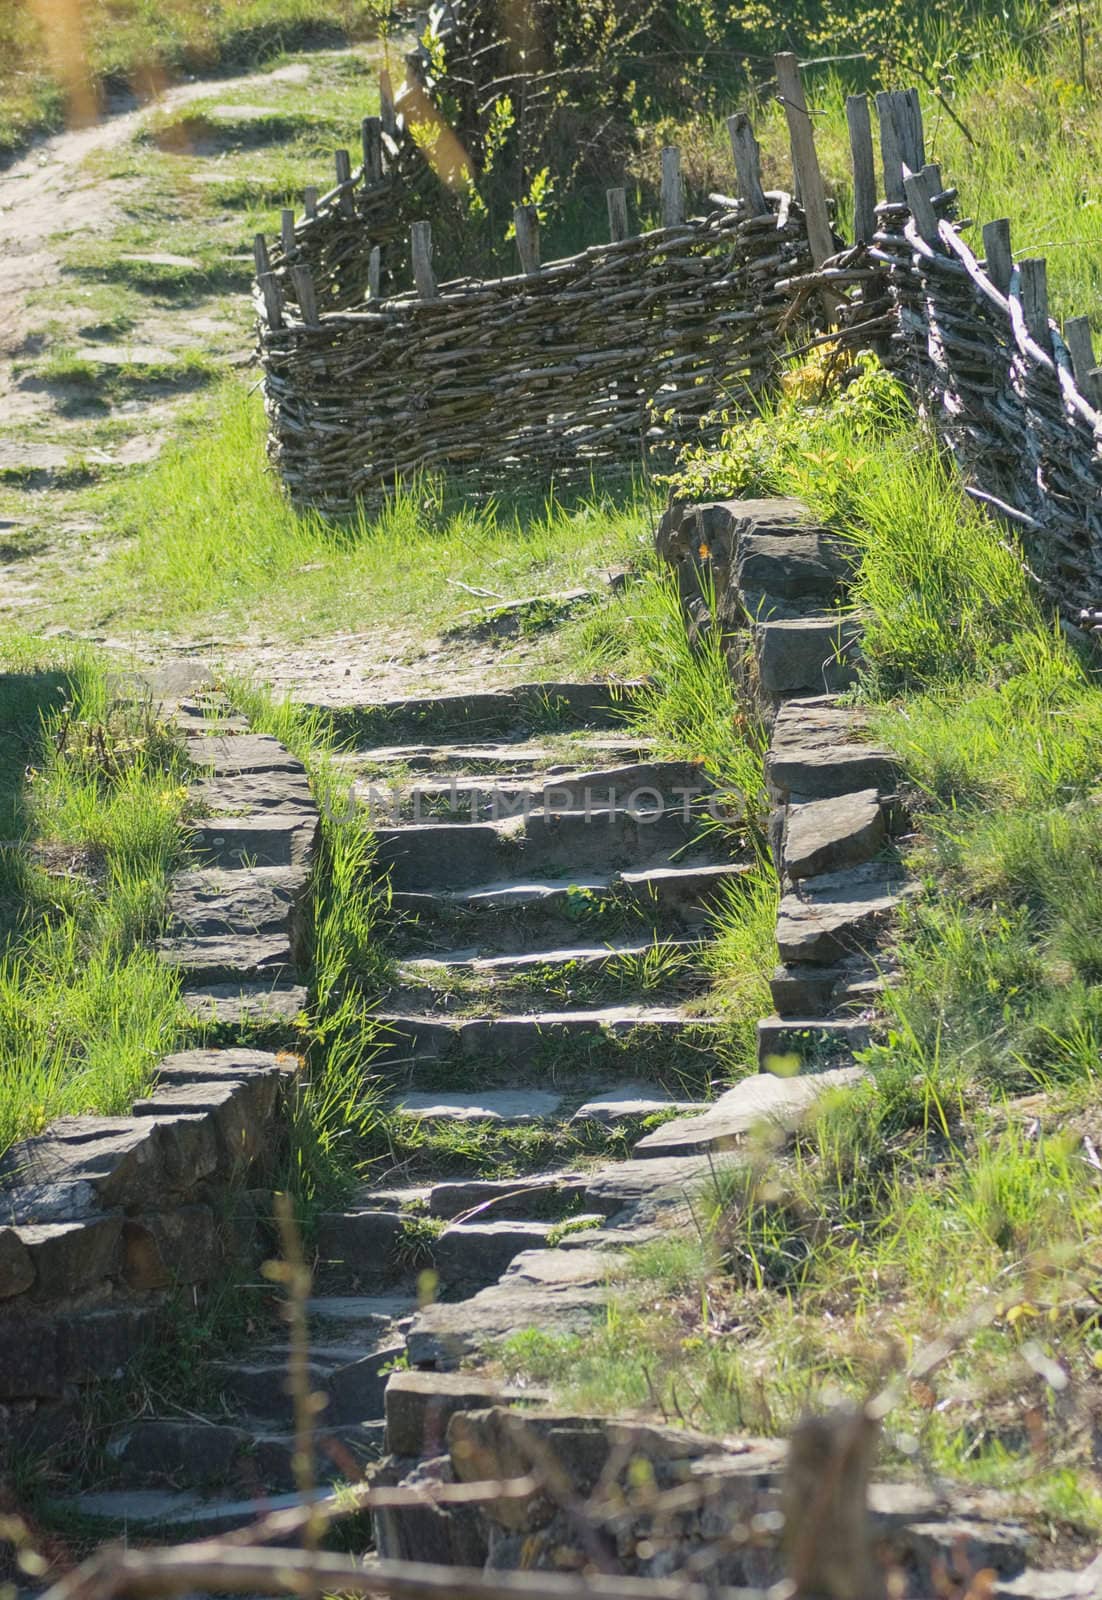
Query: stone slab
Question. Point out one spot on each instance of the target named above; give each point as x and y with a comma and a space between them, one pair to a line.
232, 753
250, 793
640, 1191
631, 1100
558, 1291
234, 1062
72, 1257
510, 1107
209, 902
799, 655
280, 839
819, 748
419, 1406
362, 1242
763, 1101
829, 835
494, 1199
478, 1252
229, 958
255, 1005
839, 913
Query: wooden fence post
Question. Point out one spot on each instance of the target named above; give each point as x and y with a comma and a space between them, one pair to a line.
744, 148
918, 198
267, 283
310, 201
371, 139
526, 222
805, 160
387, 115
420, 247
1077, 337
996, 246
287, 232
673, 203
864, 168
910, 124
307, 299
342, 161
1034, 281
617, 214
891, 153
374, 273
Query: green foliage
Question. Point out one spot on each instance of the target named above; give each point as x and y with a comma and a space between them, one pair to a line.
92, 796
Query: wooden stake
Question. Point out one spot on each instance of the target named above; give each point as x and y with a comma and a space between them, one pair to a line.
864, 168
918, 198
996, 247
891, 151
371, 137
744, 148
260, 254
374, 273
673, 204
526, 221
910, 125
307, 299
310, 201
270, 292
420, 246
343, 163
387, 115
805, 160
287, 232
617, 214
1034, 281
1077, 337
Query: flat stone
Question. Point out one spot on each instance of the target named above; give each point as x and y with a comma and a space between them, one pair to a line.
510, 1107
168, 1449
81, 1164
232, 958
477, 1253
362, 1242
276, 840
807, 654
351, 1378
255, 1005
16, 1267
178, 1247
558, 1291
71, 1257
170, 1512
419, 1406
757, 1101
805, 989
813, 1048
829, 835
162, 258
237, 1113
211, 902
820, 748
640, 1191
128, 355
801, 563
248, 794
630, 1101
837, 913
40, 1357
234, 1062
230, 754
493, 1199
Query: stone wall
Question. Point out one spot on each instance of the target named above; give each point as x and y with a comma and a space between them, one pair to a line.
100, 1217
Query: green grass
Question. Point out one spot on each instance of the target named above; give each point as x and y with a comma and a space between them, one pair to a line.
92, 799
53, 65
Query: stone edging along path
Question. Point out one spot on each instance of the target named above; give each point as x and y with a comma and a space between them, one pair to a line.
100, 1215
511, 1254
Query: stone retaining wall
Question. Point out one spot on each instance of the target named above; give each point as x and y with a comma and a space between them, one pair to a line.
101, 1216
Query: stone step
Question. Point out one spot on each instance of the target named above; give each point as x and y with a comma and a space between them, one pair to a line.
266, 1012
274, 839
173, 1515
762, 1101
805, 989
836, 914
795, 563
449, 855
173, 1450
482, 713
419, 1406
461, 962
807, 655
829, 835
211, 903
819, 749
472, 1255
548, 1197
642, 788
661, 1039
265, 958
511, 914
516, 757
348, 1374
